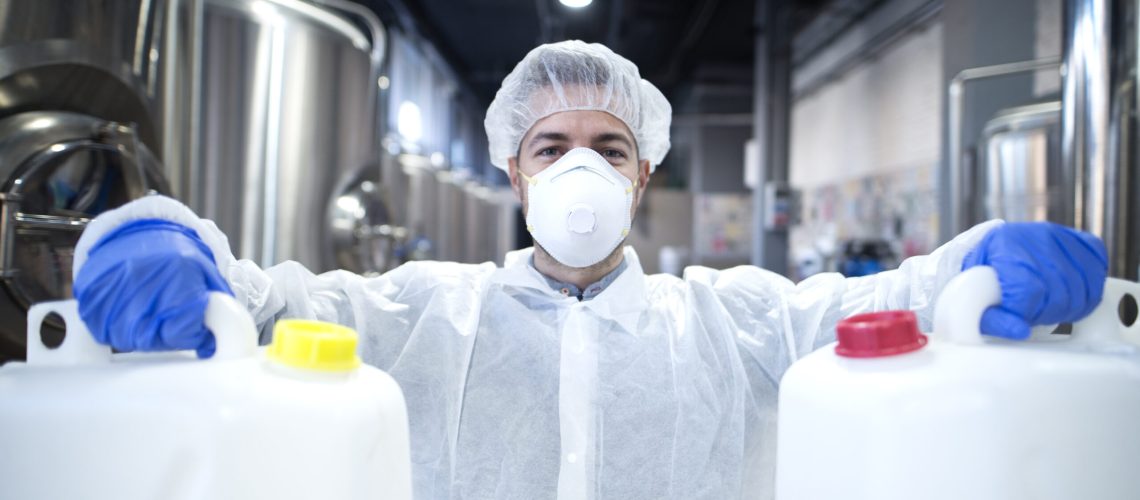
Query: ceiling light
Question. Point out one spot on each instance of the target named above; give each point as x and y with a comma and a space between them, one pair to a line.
575, 3
408, 121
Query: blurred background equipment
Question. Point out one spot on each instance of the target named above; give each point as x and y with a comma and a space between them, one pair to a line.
1071, 161
268, 104
79, 134
867, 257
249, 111
1020, 163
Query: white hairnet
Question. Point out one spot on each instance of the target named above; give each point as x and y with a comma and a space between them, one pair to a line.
571, 76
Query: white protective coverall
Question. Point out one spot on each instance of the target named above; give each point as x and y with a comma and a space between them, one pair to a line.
658, 388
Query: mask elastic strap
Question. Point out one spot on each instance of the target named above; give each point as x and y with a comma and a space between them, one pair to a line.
530, 180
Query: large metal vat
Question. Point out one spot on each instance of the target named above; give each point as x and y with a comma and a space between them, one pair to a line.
260, 113
1076, 164
449, 216
78, 124
1099, 119
1021, 178
272, 106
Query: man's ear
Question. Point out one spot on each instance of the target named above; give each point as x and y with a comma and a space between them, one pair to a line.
642, 176
513, 173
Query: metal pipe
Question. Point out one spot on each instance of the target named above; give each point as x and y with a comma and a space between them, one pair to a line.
53, 222
1085, 106
956, 95
9, 208
1098, 123
771, 123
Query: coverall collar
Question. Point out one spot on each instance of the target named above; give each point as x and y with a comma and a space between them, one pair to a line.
622, 301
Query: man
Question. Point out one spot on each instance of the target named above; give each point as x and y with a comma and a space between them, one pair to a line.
568, 373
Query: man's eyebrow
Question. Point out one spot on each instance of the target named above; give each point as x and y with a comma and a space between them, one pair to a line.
612, 137
542, 136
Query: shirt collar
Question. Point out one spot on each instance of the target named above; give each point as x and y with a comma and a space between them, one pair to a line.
587, 293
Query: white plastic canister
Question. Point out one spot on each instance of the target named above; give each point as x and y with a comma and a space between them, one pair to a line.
892, 417
79, 422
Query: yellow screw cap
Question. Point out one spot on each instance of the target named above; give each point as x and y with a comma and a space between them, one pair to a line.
314, 345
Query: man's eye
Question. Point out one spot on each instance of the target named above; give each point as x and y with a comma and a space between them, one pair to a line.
613, 153
548, 152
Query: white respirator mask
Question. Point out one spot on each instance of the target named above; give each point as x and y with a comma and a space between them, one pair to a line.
579, 208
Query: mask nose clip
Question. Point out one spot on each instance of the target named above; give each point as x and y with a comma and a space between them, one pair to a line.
581, 219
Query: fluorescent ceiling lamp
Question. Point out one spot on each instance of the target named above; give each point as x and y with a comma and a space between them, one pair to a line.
408, 121
576, 3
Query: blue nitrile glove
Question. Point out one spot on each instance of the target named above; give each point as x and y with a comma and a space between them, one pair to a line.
145, 285
1048, 273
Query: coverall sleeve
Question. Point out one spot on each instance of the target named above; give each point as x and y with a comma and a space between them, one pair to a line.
777, 321
388, 306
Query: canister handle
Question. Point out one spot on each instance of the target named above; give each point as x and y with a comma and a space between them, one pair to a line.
1104, 323
958, 313
78, 347
232, 326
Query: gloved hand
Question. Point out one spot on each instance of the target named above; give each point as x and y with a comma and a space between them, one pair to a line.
145, 285
1048, 273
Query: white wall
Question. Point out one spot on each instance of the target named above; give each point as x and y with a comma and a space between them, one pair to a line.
1047, 42
882, 116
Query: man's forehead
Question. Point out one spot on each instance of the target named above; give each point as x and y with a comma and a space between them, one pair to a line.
580, 125
577, 106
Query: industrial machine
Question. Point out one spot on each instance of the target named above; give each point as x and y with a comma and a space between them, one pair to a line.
1021, 178
1072, 162
79, 132
258, 114
273, 104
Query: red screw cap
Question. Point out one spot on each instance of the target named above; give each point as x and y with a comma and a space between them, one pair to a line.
878, 334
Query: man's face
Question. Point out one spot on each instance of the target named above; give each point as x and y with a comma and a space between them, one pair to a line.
555, 135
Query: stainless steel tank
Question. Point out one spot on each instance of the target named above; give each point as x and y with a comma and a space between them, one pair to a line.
450, 238
1099, 94
272, 105
364, 238
1021, 176
78, 124
260, 113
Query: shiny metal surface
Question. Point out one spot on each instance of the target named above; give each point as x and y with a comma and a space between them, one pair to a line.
489, 219
448, 216
1086, 91
364, 238
450, 237
87, 57
960, 202
271, 102
255, 107
1021, 178
1099, 95
59, 170
423, 207
80, 103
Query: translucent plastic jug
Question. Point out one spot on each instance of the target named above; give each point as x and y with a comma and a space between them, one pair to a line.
891, 416
301, 420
